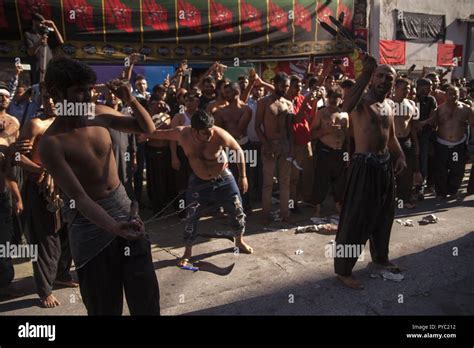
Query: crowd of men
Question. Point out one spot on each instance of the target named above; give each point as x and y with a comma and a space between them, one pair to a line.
382, 140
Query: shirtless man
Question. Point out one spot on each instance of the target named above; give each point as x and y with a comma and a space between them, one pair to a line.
234, 118
406, 112
110, 252
369, 199
451, 118
9, 126
211, 181
220, 101
274, 112
330, 125
439, 95
179, 161
47, 229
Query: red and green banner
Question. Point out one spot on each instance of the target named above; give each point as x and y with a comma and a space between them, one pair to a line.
169, 29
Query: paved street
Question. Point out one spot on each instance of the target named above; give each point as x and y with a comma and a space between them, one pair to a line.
437, 262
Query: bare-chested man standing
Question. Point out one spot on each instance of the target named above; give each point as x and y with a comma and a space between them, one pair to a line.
451, 118
211, 181
220, 101
110, 252
234, 118
47, 230
9, 126
369, 201
274, 112
330, 125
406, 112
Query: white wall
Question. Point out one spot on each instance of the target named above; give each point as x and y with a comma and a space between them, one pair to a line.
382, 17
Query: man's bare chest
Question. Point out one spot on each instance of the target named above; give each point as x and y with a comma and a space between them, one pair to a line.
452, 116
232, 117
87, 146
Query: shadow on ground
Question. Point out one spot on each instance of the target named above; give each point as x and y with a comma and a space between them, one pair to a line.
380, 297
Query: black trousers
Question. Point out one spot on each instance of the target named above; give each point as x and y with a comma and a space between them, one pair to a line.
404, 181
138, 176
470, 185
181, 176
7, 271
367, 210
330, 170
122, 265
449, 171
159, 176
54, 255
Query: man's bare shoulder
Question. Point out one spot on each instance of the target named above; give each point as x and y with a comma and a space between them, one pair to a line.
13, 120
49, 146
38, 125
101, 109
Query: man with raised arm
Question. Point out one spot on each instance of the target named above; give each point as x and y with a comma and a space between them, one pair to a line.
110, 252
369, 202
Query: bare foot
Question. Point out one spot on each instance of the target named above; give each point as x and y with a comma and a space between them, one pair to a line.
243, 247
50, 301
68, 284
351, 282
184, 262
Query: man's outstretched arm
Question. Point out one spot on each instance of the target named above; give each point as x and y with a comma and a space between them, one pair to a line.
173, 134
107, 117
354, 95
